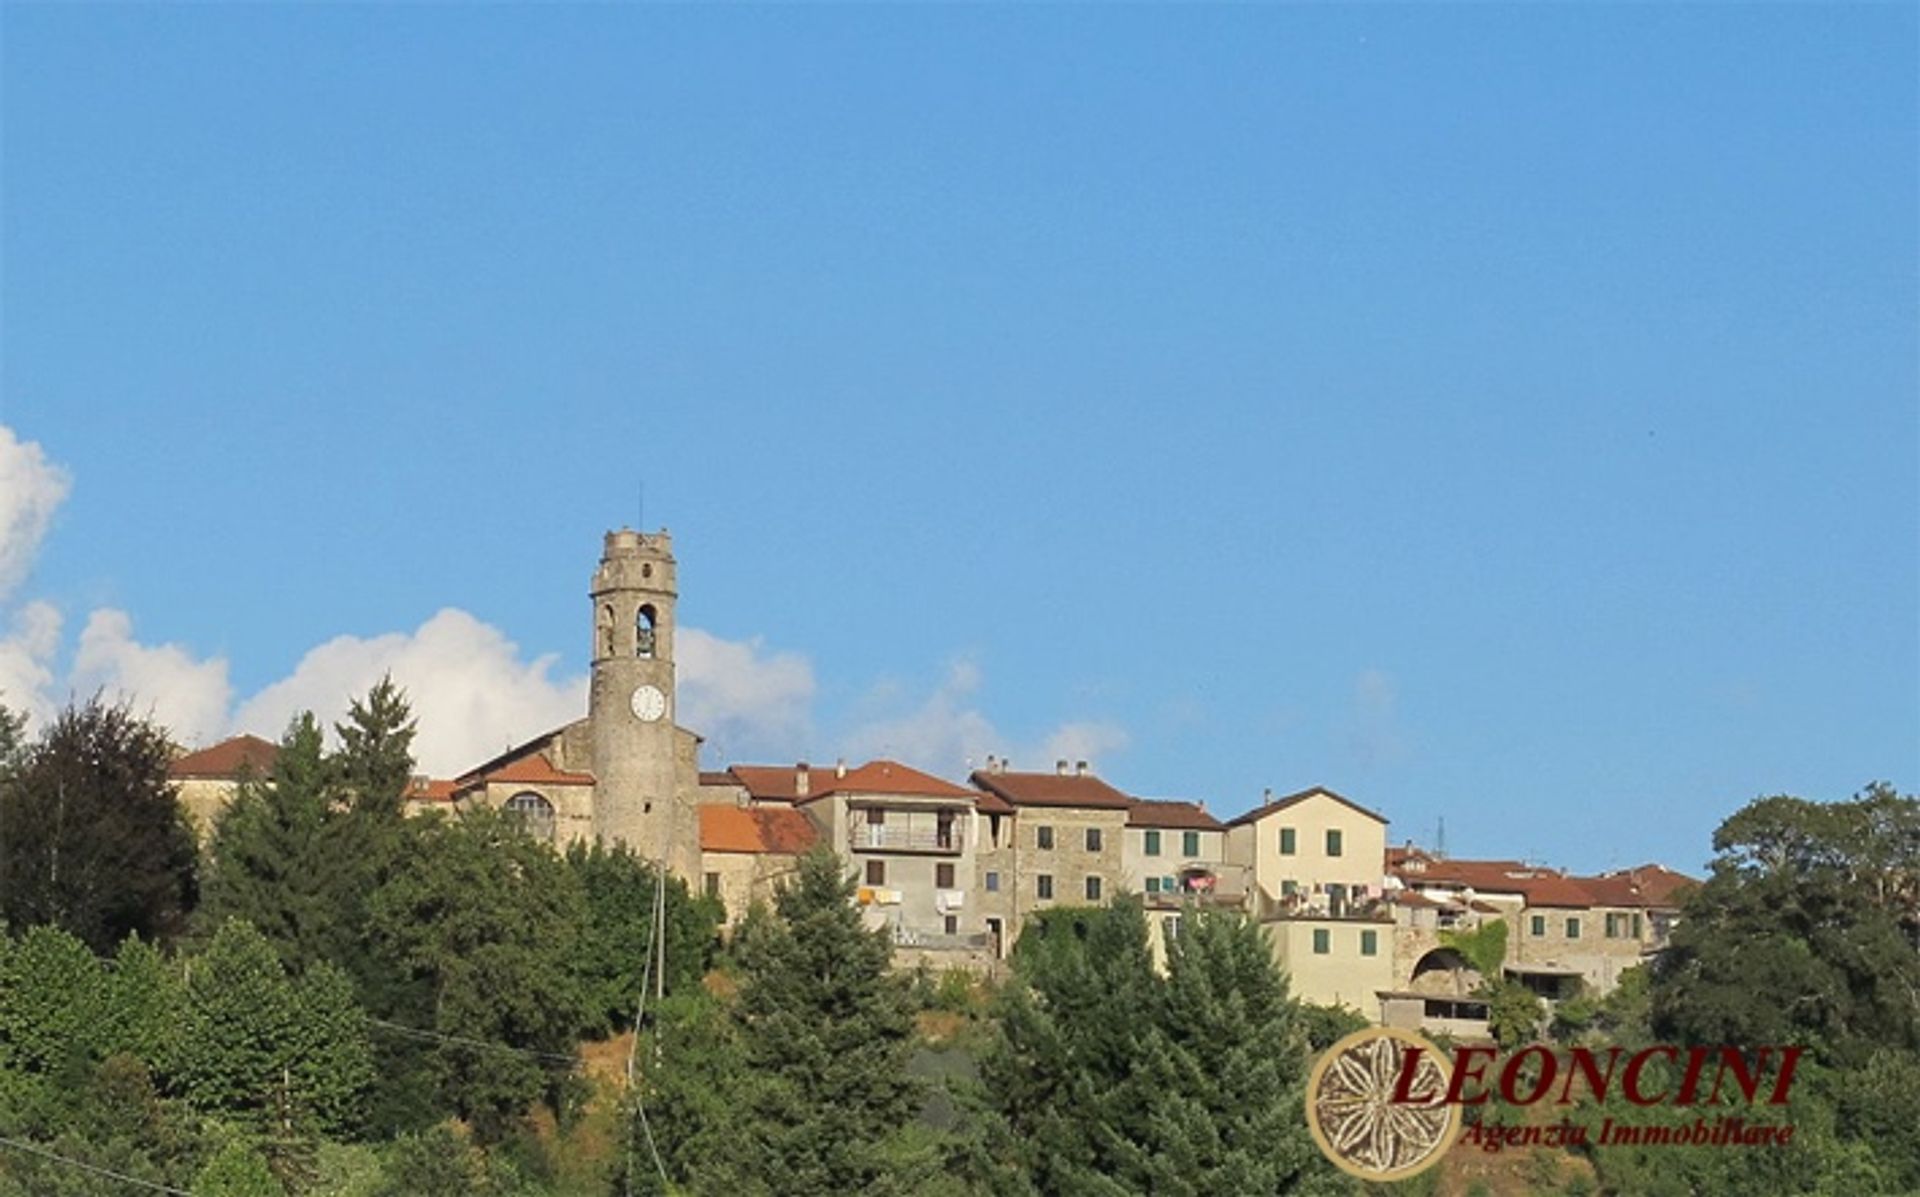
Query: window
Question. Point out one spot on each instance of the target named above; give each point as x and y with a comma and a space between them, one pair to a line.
943, 876
952, 924
643, 631
1043, 887
1093, 889
876, 816
993, 883
1153, 885
876, 872
1172, 927
1167, 885
713, 885
1286, 841
1321, 946
1614, 922
1369, 943
1189, 844
1093, 839
604, 628
1573, 928
1637, 927
1289, 888
1539, 928
1153, 843
534, 813
1333, 842
1043, 838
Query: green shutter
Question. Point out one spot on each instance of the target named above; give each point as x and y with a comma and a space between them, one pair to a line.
1153, 843
1319, 941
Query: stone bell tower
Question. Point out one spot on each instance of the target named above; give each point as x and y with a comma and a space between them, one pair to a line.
637, 792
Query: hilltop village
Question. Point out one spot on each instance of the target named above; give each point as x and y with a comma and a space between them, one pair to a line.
951, 868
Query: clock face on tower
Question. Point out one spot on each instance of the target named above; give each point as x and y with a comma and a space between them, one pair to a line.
649, 703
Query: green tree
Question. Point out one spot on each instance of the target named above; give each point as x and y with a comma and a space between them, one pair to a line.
487, 922
375, 762
269, 855
237, 1170
285, 1061
91, 837
1228, 1073
1799, 935
1066, 1075
616, 940
816, 1043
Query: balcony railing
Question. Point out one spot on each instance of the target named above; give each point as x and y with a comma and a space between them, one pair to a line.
935, 941
879, 837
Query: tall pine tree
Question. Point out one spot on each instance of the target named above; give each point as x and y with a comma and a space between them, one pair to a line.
269, 855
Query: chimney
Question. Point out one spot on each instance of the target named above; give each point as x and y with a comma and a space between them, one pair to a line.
1202, 804
1060, 767
840, 767
1079, 768
1266, 796
802, 779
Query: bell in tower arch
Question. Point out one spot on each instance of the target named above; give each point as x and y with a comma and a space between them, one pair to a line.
643, 631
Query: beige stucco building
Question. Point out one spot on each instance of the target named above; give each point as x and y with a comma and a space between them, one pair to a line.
1313, 851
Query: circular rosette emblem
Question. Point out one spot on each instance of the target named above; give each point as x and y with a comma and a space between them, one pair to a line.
1356, 1121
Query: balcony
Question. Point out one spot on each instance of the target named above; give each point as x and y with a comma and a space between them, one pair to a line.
889, 837
935, 941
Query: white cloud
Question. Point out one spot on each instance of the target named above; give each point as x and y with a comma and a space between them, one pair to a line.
31, 488
1374, 730
165, 682
746, 701
26, 660
471, 693
947, 732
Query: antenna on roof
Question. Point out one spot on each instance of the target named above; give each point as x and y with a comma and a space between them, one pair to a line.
640, 516
1440, 839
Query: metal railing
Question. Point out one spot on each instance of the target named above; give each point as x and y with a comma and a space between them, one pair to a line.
879, 837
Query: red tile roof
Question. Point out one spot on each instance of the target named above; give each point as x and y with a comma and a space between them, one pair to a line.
536, 769
781, 783
227, 759
989, 803
1280, 804
428, 789
758, 830
1178, 816
1645, 886
1535, 886
1082, 790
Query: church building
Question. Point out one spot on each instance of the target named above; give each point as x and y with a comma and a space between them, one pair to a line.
627, 772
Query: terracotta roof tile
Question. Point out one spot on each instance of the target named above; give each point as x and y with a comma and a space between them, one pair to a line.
1179, 816
428, 789
781, 783
990, 803
757, 830
1643, 887
1280, 804
1082, 790
227, 759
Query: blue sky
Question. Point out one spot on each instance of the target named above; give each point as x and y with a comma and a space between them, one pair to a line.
1500, 414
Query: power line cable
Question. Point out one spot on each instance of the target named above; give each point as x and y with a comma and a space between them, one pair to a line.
36, 1149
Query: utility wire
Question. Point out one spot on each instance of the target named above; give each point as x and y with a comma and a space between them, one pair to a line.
56, 1157
656, 948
